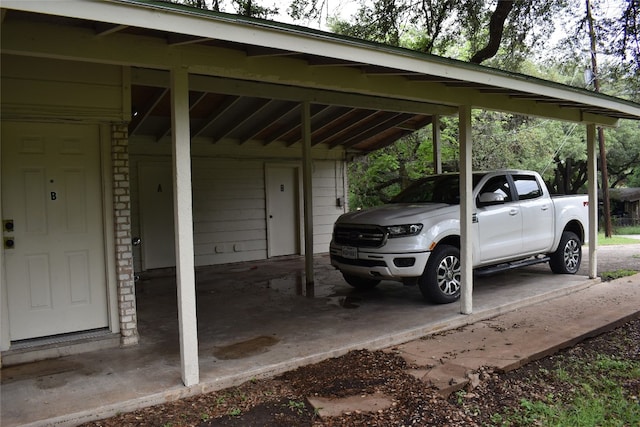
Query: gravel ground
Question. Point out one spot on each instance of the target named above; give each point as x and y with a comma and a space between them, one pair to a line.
282, 401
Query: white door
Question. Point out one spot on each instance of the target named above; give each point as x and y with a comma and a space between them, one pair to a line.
51, 195
282, 210
155, 186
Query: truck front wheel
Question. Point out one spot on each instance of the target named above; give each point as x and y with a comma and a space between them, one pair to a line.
360, 283
440, 282
566, 259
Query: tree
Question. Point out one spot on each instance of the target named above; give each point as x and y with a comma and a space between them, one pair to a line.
496, 30
623, 156
241, 7
505, 31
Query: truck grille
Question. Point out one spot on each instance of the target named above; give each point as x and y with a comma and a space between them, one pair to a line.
359, 262
366, 236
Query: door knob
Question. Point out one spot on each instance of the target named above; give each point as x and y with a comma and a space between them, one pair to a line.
9, 243
8, 225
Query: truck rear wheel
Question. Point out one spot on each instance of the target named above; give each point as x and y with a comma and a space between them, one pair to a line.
440, 282
566, 259
360, 283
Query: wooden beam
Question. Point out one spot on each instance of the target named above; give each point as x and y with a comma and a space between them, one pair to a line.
144, 111
103, 29
183, 219
307, 185
466, 210
592, 184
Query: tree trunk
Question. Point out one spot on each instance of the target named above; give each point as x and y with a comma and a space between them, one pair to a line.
603, 152
496, 29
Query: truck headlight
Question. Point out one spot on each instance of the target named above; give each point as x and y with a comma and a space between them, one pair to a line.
404, 230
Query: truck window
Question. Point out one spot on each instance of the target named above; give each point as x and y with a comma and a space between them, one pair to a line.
434, 189
495, 191
527, 187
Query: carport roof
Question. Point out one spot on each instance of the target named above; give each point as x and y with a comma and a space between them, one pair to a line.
249, 75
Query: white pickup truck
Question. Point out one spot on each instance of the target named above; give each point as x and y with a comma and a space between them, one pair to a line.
415, 239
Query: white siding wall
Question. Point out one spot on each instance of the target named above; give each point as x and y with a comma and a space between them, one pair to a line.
51, 89
228, 210
328, 186
229, 197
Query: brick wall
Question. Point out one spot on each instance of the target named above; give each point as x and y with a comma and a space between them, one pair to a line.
122, 221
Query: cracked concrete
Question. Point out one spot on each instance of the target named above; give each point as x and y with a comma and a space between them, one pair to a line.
519, 315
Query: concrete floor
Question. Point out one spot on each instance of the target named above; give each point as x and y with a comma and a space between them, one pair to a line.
254, 320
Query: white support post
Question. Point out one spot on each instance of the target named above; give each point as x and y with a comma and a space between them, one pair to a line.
592, 179
183, 220
437, 147
466, 210
307, 185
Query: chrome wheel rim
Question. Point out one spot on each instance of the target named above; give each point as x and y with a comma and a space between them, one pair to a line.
448, 276
572, 255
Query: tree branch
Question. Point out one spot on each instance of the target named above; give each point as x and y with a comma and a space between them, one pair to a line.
496, 29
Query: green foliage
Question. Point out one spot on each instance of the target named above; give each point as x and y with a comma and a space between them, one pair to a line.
375, 178
597, 397
627, 230
297, 406
613, 275
615, 240
623, 153
251, 8
500, 141
555, 149
235, 412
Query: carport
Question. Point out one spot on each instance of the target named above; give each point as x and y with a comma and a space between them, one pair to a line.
275, 83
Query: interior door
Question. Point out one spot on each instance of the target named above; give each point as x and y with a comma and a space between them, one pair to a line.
155, 186
282, 210
52, 199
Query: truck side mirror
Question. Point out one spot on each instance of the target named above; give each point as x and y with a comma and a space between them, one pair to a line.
487, 199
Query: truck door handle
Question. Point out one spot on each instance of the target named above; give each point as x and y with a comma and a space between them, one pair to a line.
513, 212
544, 207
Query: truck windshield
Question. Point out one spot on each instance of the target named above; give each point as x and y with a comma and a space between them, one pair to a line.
434, 189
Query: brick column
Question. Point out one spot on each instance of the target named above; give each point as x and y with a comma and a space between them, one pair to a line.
122, 221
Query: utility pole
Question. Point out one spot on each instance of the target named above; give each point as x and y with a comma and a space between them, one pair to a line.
603, 152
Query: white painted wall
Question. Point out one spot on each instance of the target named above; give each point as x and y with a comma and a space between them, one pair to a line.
47, 88
229, 195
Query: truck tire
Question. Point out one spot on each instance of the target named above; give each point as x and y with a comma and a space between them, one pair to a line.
440, 282
566, 259
360, 283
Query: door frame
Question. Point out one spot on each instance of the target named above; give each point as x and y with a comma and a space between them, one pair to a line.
297, 167
106, 176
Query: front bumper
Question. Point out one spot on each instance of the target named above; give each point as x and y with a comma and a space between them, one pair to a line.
388, 266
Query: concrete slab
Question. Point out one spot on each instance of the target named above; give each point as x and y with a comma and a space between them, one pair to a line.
513, 339
268, 323
325, 407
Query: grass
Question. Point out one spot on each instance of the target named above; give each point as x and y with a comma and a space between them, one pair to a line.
597, 397
615, 240
617, 274
628, 230
618, 237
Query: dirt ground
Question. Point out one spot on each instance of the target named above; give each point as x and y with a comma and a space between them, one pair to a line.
284, 400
